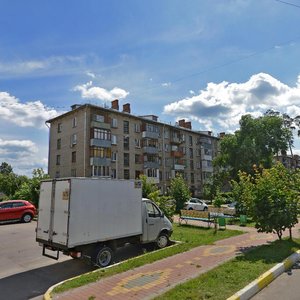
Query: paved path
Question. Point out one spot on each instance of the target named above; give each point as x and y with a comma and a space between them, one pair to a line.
153, 279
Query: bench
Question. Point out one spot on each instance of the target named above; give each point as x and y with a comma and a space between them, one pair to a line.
195, 215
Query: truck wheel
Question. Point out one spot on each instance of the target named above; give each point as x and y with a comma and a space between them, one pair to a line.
162, 240
104, 257
26, 218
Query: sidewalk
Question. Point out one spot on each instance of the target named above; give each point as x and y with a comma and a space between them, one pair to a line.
153, 279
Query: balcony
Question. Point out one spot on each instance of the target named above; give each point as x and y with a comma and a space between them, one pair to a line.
100, 143
100, 125
150, 150
100, 161
176, 140
150, 135
178, 167
151, 165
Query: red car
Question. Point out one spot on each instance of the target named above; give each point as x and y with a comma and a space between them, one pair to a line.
17, 210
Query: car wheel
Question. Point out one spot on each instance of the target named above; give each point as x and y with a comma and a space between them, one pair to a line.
190, 208
162, 240
104, 257
205, 209
27, 218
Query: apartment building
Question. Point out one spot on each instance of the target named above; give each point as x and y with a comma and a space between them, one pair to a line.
108, 142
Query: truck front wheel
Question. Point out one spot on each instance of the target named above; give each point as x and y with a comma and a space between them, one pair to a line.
103, 257
162, 240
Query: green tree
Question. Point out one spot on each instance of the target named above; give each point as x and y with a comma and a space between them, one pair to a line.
179, 191
5, 168
271, 197
148, 187
164, 202
30, 189
255, 143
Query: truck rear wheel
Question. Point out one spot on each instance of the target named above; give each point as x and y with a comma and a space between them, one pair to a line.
103, 257
162, 240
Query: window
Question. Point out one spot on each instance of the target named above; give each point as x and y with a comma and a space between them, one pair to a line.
73, 172
138, 159
190, 140
101, 134
126, 126
6, 205
18, 204
58, 144
74, 157
114, 156
100, 152
74, 122
114, 140
126, 159
114, 123
113, 173
152, 210
59, 127
151, 172
126, 174
191, 152
73, 139
166, 134
137, 143
100, 171
98, 118
57, 174
137, 128
126, 142
57, 159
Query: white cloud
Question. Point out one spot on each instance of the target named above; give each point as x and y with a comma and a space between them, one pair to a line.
88, 91
166, 84
220, 106
90, 74
22, 155
28, 114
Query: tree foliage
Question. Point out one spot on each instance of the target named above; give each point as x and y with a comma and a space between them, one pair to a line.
271, 197
255, 143
150, 191
30, 189
179, 191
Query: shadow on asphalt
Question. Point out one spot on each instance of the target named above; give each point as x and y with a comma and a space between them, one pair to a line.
36, 282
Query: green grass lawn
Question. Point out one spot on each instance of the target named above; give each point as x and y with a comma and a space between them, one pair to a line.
225, 280
189, 236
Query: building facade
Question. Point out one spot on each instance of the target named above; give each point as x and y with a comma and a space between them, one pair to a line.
105, 142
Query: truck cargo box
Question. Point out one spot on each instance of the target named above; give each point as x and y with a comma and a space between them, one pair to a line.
79, 211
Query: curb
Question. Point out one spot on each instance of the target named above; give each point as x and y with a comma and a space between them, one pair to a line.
47, 295
255, 286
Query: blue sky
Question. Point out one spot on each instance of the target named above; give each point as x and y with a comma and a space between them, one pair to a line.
206, 61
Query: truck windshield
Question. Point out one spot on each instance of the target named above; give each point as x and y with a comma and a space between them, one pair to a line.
152, 210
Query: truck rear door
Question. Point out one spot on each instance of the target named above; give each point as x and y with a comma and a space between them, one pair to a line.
54, 212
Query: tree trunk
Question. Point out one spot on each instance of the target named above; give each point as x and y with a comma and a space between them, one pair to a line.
290, 230
279, 234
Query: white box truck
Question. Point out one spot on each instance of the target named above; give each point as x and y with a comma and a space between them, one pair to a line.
89, 217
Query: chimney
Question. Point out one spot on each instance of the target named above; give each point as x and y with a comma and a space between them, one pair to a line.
181, 123
115, 104
126, 108
188, 125
221, 135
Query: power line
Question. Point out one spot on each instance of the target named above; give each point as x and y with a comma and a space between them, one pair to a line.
237, 60
288, 3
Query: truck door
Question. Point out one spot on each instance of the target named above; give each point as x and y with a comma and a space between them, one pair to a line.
61, 212
53, 213
153, 222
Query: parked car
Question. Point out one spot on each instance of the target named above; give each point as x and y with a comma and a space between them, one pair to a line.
17, 210
196, 204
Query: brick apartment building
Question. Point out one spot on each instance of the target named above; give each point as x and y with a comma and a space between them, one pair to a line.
95, 141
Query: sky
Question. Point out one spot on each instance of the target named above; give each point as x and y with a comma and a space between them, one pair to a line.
208, 62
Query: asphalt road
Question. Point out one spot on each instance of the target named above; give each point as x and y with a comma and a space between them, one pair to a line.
286, 286
26, 274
